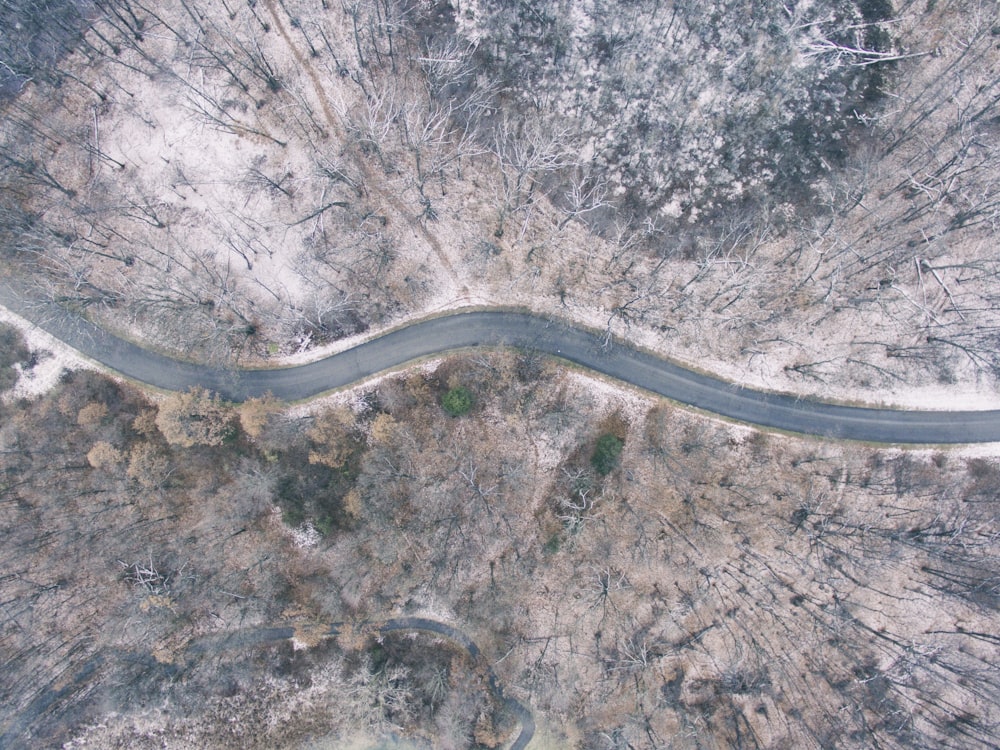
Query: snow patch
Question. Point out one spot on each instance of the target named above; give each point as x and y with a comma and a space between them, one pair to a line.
52, 358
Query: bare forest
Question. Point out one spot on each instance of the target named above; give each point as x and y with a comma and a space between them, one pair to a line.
697, 585
799, 196
802, 196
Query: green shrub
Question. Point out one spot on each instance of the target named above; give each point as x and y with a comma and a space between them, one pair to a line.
606, 454
325, 525
293, 515
457, 401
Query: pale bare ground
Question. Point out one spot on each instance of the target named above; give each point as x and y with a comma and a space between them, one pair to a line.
707, 543
705, 532
53, 358
230, 201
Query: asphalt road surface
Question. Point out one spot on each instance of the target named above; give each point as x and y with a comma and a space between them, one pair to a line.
523, 331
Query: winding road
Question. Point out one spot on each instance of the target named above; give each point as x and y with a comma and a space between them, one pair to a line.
509, 328
490, 328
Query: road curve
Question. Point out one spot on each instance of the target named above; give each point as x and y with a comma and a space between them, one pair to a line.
460, 639
507, 328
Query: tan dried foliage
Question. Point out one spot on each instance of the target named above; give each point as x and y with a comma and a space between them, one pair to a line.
383, 429
195, 417
254, 414
310, 634
146, 465
92, 414
331, 435
418, 388
486, 733
352, 504
104, 455
145, 422
353, 637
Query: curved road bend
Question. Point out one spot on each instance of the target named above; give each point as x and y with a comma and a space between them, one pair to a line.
520, 330
463, 641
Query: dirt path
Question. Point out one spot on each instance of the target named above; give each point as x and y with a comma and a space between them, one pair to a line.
18, 730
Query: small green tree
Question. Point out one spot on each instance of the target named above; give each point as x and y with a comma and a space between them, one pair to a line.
457, 401
606, 453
